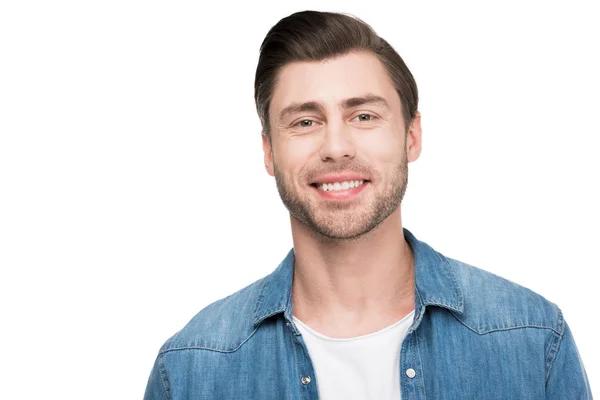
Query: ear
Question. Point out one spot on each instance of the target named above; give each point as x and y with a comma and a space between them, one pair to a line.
413, 139
268, 153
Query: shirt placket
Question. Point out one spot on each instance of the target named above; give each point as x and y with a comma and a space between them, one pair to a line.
411, 369
304, 371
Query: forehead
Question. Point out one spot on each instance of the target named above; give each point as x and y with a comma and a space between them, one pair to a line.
331, 80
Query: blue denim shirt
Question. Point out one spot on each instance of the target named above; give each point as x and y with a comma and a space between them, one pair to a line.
475, 336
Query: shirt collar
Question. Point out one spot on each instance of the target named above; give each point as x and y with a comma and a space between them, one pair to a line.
435, 281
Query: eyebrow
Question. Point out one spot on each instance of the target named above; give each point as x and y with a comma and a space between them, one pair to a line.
300, 107
346, 103
366, 99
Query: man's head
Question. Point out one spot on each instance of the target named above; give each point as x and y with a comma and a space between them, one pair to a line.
336, 103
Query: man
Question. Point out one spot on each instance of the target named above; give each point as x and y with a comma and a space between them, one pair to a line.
360, 308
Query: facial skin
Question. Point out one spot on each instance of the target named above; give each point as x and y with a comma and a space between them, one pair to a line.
332, 134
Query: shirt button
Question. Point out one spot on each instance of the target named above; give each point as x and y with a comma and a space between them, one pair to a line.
305, 379
410, 373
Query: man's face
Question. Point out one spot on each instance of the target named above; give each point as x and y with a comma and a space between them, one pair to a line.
335, 124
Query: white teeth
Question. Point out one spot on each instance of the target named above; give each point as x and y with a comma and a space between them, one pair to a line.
340, 185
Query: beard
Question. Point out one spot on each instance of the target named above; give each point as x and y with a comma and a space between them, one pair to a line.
341, 220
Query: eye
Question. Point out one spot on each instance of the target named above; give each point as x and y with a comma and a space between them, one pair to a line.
305, 123
364, 117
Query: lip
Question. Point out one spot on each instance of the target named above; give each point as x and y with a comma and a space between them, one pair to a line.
346, 194
339, 177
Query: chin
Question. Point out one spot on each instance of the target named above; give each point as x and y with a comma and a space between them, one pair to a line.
341, 231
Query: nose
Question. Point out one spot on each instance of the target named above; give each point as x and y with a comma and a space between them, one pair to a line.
337, 143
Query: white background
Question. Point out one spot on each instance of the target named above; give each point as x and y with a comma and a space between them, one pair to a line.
133, 191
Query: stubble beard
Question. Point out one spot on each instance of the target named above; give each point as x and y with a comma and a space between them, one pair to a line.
345, 222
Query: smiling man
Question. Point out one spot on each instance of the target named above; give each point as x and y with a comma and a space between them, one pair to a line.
360, 308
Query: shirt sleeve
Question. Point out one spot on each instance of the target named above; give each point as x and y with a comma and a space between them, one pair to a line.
157, 388
567, 378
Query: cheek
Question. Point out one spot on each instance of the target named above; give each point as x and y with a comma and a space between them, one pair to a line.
292, 155
382, 148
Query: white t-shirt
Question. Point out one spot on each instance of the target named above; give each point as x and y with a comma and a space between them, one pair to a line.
359, 368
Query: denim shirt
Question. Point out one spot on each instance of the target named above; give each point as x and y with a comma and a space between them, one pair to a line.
474, 336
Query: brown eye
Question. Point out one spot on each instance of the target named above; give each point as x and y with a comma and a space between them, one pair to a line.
365, 117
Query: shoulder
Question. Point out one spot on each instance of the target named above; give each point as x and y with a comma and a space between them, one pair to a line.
494, 303
222, 326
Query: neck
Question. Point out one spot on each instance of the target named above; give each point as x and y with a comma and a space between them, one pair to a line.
366, 283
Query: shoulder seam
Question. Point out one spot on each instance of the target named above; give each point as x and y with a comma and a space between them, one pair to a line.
507, 328
167, 350
170, 340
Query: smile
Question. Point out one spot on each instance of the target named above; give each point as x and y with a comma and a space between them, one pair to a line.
340, 190
339, 185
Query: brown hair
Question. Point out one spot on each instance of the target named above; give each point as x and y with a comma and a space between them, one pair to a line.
315, 36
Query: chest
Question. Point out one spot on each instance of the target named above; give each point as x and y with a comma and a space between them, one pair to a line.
439, 360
